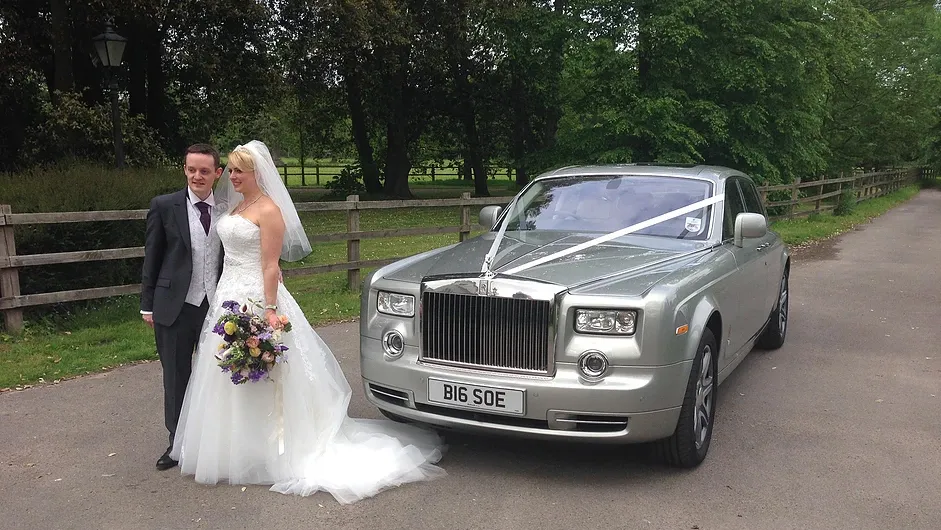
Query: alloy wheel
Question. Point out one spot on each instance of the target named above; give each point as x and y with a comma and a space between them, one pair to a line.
704, 396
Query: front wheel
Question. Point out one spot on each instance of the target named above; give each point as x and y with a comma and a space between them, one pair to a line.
690, 441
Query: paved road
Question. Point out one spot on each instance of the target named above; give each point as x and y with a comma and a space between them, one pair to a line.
841, 428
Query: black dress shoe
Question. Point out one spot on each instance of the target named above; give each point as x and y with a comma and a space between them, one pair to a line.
165, 462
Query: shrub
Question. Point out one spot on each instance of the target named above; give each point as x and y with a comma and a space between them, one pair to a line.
82, 187
348, 182
846, 204
73, 130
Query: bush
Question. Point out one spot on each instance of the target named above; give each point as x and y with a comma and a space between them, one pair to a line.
846, 204
348, 182
82, 187
73, 130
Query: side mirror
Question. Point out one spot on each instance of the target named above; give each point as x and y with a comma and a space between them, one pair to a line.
488, 216
749, 226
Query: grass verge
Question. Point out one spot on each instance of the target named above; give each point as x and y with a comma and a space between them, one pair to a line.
111, 333
816, 227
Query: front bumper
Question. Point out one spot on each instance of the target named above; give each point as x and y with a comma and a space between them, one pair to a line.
631, 404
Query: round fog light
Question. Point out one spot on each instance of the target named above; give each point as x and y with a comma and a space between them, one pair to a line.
393, 344
593, 364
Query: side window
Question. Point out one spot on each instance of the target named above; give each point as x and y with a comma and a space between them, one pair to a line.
734, 205
752, 200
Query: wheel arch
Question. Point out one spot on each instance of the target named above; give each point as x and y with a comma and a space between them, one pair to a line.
705, 315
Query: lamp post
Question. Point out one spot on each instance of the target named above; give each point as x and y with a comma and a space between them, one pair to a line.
110, 49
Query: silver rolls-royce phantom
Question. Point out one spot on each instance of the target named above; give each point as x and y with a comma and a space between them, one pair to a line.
605, 303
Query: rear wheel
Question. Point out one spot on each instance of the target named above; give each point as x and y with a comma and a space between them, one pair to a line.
773, 336
690, 441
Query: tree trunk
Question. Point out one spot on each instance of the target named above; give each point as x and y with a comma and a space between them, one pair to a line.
556, 61
137, 78
466, 106
643, 150
466, 172
354, 99
522, 177
398, 164
468, 114
521, 129
136, 59
61, 33
156, 84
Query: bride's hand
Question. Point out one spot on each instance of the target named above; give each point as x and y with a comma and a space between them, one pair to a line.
273, 319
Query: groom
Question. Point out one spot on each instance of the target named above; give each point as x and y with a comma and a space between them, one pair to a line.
182, 264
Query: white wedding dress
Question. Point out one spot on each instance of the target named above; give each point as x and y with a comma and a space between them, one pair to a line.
292, 433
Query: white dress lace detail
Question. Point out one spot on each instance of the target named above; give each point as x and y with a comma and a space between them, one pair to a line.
292, 433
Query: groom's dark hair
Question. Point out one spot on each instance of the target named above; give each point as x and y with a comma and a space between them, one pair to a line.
203, 149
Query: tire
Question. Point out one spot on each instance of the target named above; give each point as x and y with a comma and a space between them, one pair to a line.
776, 332
688, 445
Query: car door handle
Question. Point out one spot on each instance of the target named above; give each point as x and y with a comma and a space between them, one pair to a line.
763, 246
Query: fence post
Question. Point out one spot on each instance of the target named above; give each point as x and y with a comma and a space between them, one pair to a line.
352, 245
819, 192
9, 277
465, 217
794, 192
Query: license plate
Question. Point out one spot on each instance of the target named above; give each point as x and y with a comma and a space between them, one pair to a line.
462, 395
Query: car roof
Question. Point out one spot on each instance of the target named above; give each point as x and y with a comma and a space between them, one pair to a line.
715, 174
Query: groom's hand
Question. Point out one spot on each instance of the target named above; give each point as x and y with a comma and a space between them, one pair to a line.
149, 319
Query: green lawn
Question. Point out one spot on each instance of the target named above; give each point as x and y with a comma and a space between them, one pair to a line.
318, 172
111, 333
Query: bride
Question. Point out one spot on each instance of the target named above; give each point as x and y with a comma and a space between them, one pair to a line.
292, 432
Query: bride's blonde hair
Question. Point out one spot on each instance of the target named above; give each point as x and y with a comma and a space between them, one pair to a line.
242, 159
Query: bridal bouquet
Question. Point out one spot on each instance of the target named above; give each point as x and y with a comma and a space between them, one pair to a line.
250, 347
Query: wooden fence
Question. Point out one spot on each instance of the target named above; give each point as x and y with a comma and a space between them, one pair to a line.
316, 173
800, 203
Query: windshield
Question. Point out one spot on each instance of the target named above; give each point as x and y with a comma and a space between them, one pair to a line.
609, 203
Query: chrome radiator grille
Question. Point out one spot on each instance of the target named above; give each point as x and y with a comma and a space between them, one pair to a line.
488, 332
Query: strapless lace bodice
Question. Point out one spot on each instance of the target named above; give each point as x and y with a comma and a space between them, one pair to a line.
241, 242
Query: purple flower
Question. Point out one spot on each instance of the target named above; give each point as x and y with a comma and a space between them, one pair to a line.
264, 336
218, 329
237, 377
255, 375
231, 305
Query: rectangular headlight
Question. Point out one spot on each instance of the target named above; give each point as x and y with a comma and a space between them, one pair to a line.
606, 321
402, 305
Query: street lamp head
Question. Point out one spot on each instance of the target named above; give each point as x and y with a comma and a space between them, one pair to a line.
110, 47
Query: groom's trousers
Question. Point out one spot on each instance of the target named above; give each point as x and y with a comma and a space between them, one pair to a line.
175, 346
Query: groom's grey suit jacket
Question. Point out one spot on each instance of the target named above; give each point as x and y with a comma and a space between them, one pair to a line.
168, 257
